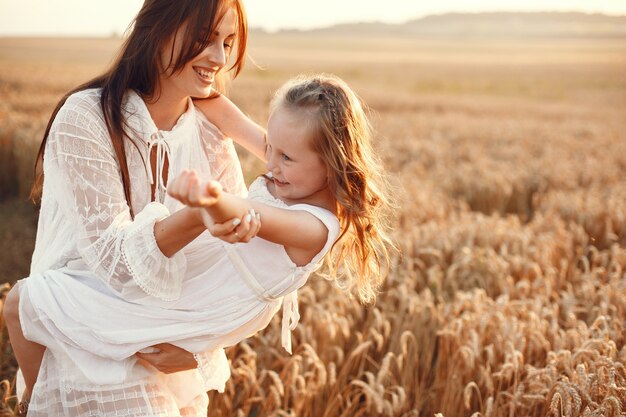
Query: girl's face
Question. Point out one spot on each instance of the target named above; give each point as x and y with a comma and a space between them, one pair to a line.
298, 172
198, 75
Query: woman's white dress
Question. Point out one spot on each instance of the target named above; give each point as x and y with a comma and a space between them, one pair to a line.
86, 233
232, 292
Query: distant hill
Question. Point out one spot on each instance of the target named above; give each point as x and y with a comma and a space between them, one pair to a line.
496, 24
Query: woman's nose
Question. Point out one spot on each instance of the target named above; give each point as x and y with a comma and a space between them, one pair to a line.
217, 54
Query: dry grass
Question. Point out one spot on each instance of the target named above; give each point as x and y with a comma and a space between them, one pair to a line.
510, 295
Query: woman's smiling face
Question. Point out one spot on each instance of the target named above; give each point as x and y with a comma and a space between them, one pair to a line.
197, 77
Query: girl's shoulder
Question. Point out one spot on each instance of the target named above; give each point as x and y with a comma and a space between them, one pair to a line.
327, 217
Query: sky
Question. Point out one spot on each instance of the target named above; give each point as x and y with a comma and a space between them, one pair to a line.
106, 17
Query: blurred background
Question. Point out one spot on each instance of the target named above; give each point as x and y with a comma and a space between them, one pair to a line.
504, 129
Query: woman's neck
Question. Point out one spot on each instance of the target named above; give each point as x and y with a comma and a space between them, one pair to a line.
166, 111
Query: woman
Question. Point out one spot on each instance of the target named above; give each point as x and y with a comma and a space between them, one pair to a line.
107, 153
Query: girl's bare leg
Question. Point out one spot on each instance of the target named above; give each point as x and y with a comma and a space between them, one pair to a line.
28, 354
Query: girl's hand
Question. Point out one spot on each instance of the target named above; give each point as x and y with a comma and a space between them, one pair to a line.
187, 189
168, 359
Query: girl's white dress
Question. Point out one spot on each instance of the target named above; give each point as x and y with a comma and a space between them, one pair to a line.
88, 242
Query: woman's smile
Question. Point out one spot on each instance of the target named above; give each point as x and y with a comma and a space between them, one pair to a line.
206, 75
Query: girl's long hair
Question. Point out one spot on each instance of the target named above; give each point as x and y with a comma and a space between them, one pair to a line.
138, 65
360, 256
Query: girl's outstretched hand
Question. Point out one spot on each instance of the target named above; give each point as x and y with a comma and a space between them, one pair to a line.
187, 189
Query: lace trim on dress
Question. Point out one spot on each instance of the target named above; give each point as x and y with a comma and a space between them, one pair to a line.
145, 261
213, 368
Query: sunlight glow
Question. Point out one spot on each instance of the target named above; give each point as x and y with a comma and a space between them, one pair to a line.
100, 18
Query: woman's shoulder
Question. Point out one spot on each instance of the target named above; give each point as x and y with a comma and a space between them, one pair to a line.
84, 98
83, 104
209, 131
81, 115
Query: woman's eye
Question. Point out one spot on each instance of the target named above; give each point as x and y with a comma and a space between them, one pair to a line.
286, 158
228, 46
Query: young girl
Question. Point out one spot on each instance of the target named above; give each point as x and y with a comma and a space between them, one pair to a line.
320, 199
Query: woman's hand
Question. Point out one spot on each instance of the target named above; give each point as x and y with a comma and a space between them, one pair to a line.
168, 359
235, 230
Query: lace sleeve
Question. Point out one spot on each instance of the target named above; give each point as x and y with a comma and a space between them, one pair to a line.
120, 251
222, 156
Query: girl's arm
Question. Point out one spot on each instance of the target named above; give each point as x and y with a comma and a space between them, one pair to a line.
234, 123
302, 234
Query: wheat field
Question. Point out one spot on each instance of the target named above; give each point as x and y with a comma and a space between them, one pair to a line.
508, 159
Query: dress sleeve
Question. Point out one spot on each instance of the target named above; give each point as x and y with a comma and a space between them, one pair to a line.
213, 369
330, 221
222, 156
121, 251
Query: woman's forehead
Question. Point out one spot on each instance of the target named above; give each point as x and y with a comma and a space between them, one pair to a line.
227, 23
226, 15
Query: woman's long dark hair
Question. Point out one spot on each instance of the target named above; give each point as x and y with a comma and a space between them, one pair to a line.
138, 65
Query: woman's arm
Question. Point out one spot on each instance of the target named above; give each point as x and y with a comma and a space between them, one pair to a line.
177, 230
234, 123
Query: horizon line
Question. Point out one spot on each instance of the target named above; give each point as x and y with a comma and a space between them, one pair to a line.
260, 28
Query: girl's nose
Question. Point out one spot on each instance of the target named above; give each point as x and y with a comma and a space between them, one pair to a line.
270, 163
